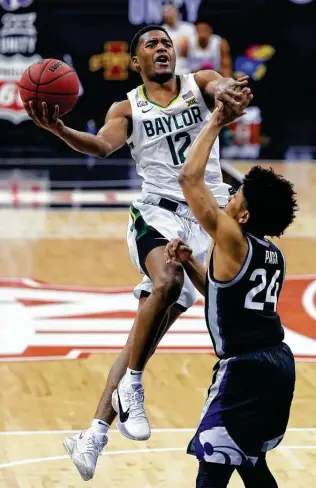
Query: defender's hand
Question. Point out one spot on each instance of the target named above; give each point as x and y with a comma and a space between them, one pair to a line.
45, 120
229, 91
224, 114
177, 250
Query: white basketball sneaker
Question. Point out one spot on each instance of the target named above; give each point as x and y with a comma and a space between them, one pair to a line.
84, 449
128, 402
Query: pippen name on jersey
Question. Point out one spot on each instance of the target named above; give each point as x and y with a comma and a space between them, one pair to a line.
171, 123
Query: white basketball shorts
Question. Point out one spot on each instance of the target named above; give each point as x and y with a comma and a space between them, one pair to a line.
161, 225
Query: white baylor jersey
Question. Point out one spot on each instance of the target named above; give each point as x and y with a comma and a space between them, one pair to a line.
162, 136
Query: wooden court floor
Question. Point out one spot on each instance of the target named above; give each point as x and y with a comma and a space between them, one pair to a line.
41, 400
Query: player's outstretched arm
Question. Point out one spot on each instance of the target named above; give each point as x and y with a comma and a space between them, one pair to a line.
221, 227
111, 136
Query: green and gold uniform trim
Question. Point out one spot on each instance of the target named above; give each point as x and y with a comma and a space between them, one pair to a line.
139, 223
143, 93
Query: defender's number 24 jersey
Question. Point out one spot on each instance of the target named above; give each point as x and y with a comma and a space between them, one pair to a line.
242, 314
162, 136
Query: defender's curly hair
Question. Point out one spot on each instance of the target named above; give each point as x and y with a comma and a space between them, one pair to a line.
271, 202
141, 32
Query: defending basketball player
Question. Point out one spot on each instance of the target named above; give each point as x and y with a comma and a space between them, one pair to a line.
159, 120
248, 406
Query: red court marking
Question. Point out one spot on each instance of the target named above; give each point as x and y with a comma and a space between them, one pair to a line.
291, 309
296, 316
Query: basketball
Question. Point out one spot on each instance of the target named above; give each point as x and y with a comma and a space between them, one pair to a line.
51, 81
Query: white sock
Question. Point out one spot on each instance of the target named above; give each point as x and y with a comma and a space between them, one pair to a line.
99, 426
133, 376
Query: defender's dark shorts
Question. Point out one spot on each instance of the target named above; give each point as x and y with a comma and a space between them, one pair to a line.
248, 407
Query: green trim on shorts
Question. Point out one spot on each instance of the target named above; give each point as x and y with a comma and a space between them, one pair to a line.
139, 224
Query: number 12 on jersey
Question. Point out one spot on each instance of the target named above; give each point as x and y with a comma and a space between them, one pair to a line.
178, 157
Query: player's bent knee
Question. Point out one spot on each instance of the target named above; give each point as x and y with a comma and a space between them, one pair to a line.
169, 286
168, 290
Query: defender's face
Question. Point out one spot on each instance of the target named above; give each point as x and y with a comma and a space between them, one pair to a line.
237, 207
155, 56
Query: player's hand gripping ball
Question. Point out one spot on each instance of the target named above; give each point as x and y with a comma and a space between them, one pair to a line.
51, 81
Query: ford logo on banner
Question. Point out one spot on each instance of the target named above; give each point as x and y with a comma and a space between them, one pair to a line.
12, 5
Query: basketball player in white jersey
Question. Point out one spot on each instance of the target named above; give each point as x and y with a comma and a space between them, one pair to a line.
206, 50
158, 120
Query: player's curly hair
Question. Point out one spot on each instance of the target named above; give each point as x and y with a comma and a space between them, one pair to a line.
140, 33
271, 202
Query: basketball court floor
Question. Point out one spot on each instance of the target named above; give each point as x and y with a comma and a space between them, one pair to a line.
66, 308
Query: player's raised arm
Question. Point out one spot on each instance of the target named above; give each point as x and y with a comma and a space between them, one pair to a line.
111, 136
223, 228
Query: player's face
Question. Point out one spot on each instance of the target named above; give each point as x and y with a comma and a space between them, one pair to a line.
155, 57
204, 32
237, 207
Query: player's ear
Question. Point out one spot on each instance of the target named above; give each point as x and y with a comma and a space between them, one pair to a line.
244, 217
135, 64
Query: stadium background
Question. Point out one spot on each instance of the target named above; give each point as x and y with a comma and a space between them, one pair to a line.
65, 274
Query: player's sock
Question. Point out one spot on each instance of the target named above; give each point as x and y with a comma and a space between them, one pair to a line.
133, 376
99, 426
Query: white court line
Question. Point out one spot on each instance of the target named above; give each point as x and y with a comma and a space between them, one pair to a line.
296, 447
48, 432
311, 276
39, 358
118, 453
109, 453
303, 235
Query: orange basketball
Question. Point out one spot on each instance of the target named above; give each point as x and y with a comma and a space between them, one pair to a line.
51, 81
